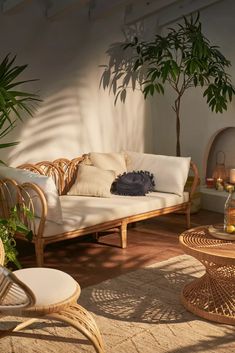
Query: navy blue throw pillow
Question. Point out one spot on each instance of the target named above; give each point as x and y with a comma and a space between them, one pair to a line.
137, 183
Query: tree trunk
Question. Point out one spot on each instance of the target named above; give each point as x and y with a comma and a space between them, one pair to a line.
178, 149
177, 110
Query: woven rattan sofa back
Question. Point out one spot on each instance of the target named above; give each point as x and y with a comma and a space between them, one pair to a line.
63, 171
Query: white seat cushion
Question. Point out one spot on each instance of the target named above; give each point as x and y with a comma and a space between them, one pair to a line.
82, 211
49, 286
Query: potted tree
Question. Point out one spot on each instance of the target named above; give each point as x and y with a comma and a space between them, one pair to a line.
182, 59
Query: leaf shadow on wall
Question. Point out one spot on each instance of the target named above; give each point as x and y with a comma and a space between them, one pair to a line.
122, 80
59, 128
77, 117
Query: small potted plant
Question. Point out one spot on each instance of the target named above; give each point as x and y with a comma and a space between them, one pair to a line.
8, 227
15, 104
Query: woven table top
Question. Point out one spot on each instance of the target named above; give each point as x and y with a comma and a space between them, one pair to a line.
199, 243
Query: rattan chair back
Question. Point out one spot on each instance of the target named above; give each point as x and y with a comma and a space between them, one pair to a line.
14, 294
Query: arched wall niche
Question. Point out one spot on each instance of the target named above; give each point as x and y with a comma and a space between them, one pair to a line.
223, 140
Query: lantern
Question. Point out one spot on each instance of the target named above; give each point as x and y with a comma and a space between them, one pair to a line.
220, 170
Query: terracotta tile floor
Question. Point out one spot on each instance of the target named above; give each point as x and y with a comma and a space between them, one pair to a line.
90, 262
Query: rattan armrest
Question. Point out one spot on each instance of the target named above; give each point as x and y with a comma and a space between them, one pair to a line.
196, 179
23, 195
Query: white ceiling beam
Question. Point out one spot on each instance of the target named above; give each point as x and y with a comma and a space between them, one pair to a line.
59, 7
140, 10
167, 11
10, 5
185, 8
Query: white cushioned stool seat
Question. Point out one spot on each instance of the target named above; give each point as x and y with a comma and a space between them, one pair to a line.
49, 286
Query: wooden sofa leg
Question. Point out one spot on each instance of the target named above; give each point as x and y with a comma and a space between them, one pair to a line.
188, 217
39, 251
123, 235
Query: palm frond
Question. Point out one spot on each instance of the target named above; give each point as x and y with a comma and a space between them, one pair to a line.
13, 102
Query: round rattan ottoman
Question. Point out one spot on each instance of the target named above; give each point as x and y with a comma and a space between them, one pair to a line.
211, 296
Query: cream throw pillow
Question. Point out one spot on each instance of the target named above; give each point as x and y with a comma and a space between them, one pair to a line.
92, 181
170, 172
109, 161
54, 212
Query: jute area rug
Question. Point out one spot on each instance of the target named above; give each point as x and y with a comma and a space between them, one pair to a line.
139, 312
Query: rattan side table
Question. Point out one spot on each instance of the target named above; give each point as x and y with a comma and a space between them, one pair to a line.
213, 295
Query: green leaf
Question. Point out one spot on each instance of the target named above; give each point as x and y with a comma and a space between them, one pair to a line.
161, 88
123, 95
13, 102
29, 235
195, 80
9, 144
21, 228
165, 71
155, 75
201, 80
9, 226
146, 91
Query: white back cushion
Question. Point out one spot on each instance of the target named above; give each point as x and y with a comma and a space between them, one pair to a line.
109, 161
170, 173
54, 212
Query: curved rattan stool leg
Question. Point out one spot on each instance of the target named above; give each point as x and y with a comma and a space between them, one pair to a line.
24, 324
83, 321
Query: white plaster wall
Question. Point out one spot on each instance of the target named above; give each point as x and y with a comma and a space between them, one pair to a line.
76, 116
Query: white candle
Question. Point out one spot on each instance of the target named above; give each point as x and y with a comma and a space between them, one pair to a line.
232, 176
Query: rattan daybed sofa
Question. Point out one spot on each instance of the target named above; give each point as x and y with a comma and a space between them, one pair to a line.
45, 187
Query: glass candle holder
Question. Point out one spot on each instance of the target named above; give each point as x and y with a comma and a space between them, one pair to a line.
210, 182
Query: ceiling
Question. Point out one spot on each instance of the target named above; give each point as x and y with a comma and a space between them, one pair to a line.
134, 10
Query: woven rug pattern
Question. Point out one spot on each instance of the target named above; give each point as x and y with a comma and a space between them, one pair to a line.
138, 312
